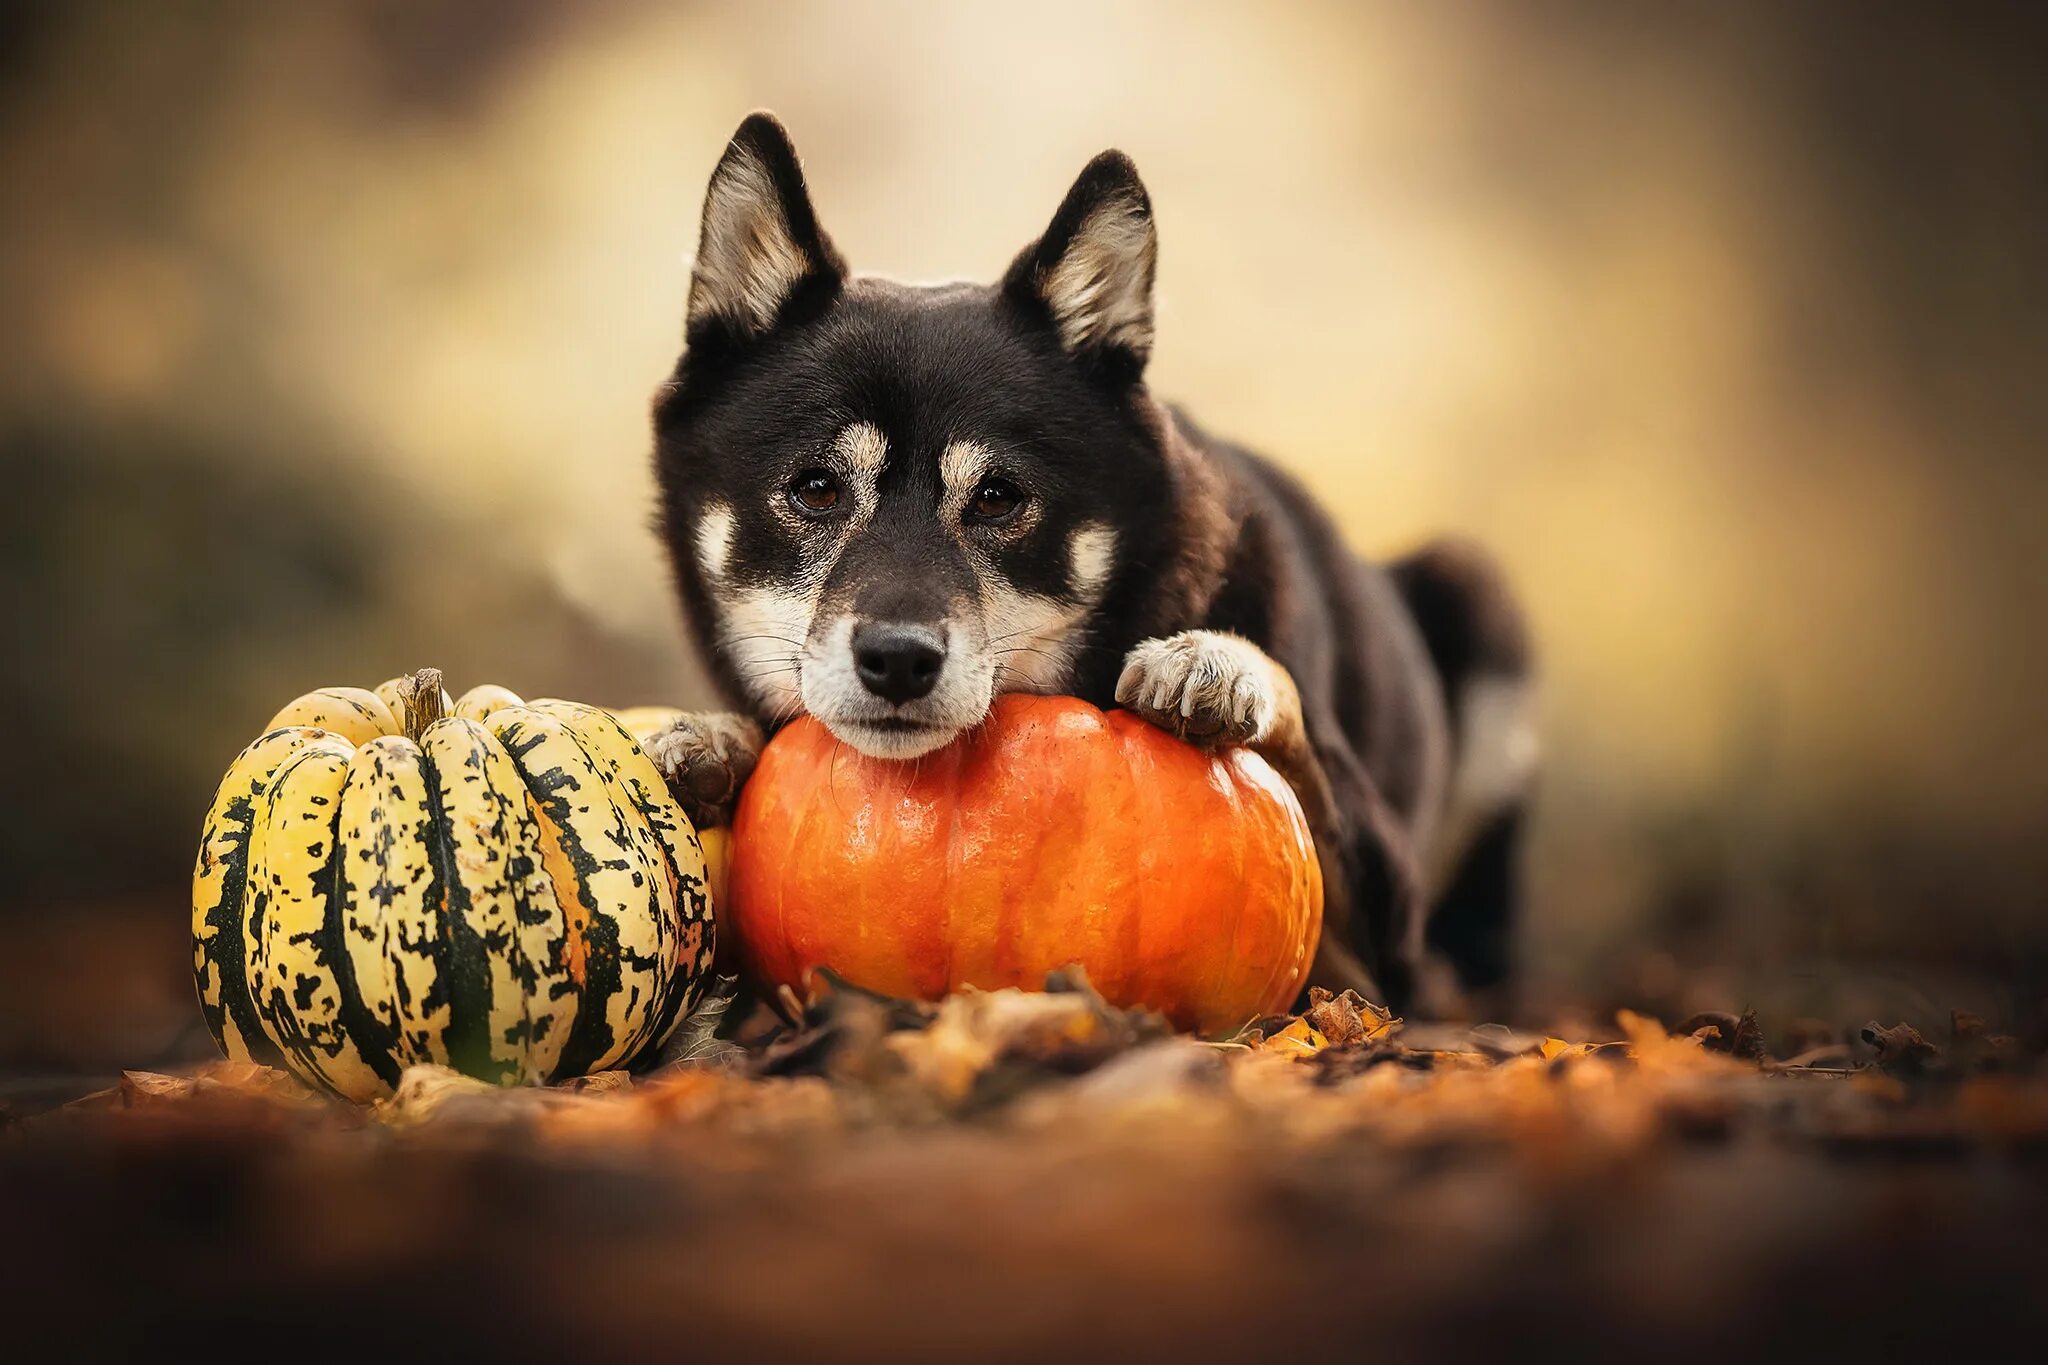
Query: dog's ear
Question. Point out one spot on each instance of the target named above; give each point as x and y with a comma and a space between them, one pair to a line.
1092, 270
761, 245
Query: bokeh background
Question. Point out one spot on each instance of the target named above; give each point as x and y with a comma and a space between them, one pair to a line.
330, 330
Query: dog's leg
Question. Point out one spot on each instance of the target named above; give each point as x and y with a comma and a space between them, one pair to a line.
1211, 689
1473, 926
1214, 689
706, 757
1378, 917
1481, 648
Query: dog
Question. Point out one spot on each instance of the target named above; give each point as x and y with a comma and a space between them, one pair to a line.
885, 504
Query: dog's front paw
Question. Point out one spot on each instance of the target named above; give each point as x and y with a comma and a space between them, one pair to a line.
706, 757
1202, 685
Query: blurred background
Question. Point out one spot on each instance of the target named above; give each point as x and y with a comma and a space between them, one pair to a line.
330, 332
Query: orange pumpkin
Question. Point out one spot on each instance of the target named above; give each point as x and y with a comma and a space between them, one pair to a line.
1180, 880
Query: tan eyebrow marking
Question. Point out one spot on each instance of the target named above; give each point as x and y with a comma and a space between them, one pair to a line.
962, 464
863, 447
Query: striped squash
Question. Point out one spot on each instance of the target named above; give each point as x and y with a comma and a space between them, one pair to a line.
394, 877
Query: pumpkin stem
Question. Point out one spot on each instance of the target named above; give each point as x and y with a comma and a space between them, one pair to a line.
421, 694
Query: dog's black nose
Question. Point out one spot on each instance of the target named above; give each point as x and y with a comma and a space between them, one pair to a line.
898, 663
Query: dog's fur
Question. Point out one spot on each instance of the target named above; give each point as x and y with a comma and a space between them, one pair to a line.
865, 482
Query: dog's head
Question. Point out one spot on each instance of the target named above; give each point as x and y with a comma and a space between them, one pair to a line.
887, 503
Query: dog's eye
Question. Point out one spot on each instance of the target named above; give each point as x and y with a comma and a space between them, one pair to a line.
995, 501
815, 491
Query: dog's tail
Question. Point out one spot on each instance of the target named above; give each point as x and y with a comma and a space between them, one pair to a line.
1471, 623
1479, 642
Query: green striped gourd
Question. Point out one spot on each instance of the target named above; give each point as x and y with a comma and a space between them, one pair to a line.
503, 887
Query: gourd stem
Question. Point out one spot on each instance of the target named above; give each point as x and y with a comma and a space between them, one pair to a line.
421, 694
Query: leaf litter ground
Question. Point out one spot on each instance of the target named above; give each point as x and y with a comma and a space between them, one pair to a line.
1012, 1176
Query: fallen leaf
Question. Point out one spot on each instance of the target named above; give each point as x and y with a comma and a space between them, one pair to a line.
1499, 1042
1164, 1078
222, 1080
843, 1034
424, 1092
1900, 1049
597, 1083
142, 1088
1298, 1039
1260, 1029
696, 1043
1654, 1048
1738, 1036
1030, 1034
1348, 1020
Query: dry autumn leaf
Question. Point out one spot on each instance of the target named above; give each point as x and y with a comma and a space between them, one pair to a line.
1900, 1049
1348, 1020
1298, 1039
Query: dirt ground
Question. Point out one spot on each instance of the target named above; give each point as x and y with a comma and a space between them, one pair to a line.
1032, 1177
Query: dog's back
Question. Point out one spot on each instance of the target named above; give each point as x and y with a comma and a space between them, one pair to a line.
1416, 683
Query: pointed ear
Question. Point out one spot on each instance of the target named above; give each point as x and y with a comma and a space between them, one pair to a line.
761, 244
1092, 270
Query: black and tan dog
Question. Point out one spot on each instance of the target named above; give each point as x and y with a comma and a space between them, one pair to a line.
888, 503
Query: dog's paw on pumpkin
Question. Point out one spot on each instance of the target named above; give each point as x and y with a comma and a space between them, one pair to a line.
1205, 686
706, 757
